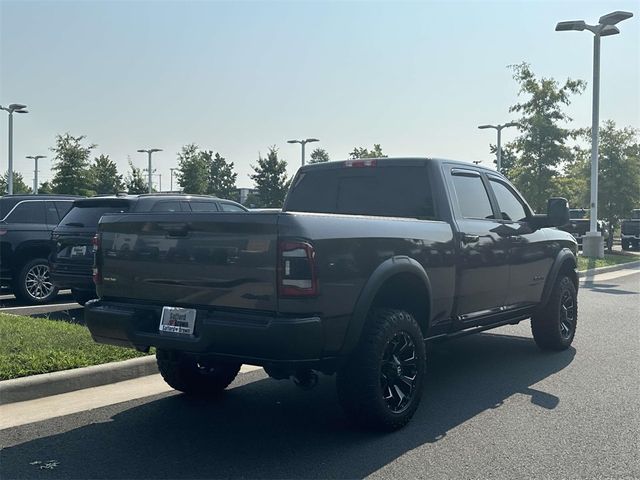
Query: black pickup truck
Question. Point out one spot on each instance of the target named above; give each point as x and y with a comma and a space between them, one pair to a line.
367, 261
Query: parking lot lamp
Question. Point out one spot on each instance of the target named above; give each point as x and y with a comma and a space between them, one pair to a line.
303, 143
499, 147
13, 108
593, 243
35, 171
149, 152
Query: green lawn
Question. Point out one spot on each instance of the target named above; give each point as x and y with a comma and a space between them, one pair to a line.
585, 263
29, 346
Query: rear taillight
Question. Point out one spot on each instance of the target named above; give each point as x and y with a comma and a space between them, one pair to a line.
97, 274
297, 270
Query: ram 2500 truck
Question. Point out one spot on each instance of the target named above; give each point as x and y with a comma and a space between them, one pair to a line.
368, 260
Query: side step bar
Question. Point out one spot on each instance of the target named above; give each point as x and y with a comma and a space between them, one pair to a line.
477, 329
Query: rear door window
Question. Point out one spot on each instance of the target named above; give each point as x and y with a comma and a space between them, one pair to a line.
202, 206
169, 206
230, 207
29, 211
52, 214
63, 207
472, 196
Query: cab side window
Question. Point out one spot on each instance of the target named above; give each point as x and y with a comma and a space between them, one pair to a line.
472, 196
230, 207
510, 206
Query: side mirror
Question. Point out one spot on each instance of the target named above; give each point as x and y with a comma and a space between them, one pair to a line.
557, 214
557, 211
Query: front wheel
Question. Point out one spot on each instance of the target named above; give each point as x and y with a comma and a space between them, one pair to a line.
381, 384
554, 325
33, 284
195, 376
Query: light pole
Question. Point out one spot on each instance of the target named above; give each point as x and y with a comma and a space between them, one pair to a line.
13, 108
149, 152
35, 172
593, 243
171, 181
499, 147
303, 143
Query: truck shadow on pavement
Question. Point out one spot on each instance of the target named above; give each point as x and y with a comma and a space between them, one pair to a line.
269, 429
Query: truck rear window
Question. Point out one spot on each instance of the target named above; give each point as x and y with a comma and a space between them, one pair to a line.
378, 191
88, 216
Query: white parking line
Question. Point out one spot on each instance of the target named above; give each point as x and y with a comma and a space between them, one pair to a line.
43, 308
609, 275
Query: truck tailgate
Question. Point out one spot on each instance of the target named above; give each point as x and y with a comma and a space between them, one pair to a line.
208, 259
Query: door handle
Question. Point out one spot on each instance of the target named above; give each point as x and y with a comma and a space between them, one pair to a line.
470, 238
517, 239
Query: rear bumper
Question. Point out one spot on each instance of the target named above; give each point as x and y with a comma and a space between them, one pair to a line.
247, 338
65, 275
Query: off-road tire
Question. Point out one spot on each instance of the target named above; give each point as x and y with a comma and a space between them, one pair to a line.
363, 381
25, 292
82, 297
554, 325
186, 374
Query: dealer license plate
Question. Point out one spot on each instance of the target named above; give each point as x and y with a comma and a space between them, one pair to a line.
78, 251
177, 320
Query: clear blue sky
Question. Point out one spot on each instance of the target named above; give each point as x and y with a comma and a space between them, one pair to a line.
237, 77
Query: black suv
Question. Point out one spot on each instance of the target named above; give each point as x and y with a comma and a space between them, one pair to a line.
26, 222
72, 253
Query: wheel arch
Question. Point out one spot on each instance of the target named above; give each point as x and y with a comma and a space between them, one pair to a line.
566, 263
399, 282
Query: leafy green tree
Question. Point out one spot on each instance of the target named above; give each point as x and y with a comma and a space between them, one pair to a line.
45, 188
271, 180
193, 174
541, 149
71, 165
18, 184
319, 155
618, 171
507, 160
104, 176
375, 152
221, 180
135, 182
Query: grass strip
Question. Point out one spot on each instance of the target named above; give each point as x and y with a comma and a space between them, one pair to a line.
29, 346
586, 263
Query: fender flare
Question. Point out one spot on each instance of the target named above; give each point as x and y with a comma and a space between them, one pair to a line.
565, 255
387, 269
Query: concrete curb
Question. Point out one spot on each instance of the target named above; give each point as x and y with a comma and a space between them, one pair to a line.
47, 384
613, 268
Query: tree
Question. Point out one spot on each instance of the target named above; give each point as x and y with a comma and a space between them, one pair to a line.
104, 176
618, 171
319, 155
507, 159
271, 180
221, 180
18, 184
541, 149
71, 165
375, 152
193, 174
135, 182
45, 188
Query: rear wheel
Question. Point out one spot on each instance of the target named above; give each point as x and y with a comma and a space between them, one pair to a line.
381, 385
195, 376
554, 326
33, 284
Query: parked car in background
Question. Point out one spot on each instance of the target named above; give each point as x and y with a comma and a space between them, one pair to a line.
578, 226
71, 259
630, 231
26, 223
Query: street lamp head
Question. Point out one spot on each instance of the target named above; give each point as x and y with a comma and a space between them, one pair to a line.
571, 25
609, 30
511, 124
21, 111
482, 127
614, 17
142, 151
17, 106
310, 140
293, 141
155, 150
